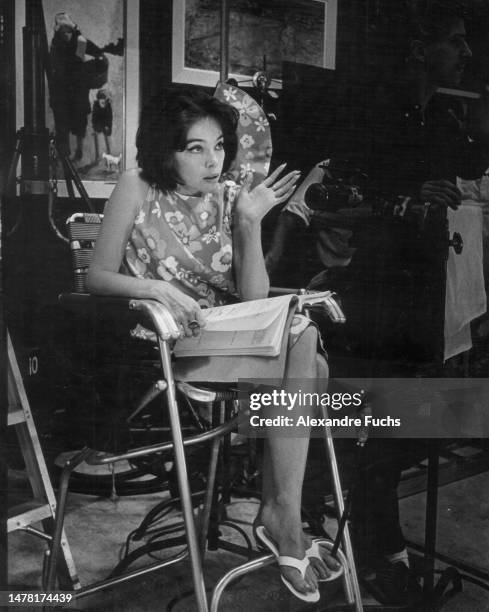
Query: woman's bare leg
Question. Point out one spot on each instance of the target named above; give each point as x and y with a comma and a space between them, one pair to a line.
284, 466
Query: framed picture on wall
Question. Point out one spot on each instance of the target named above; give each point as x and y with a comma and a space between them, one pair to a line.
91, 100
261, 36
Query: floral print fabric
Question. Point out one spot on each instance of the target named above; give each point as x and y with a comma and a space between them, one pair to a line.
254, 137
186, 240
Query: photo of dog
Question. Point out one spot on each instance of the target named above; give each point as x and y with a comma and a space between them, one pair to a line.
112, 162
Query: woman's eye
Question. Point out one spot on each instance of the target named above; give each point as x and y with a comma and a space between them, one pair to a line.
220, 146
195, 149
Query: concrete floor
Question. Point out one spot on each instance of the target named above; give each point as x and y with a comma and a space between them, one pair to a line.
97, 528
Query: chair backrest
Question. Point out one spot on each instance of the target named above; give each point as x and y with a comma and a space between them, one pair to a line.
83, 231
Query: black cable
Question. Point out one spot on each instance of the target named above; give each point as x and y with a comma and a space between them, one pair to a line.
144, 550
154, 515
190, 593
242, 532
150, 519
180, 527
164, 531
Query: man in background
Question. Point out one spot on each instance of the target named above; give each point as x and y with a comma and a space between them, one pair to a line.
417, 144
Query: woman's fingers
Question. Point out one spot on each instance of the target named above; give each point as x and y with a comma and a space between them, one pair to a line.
185, 310
283, 188
281, 191
192, 319
197, 322
254, 204
287, 180
286, 195
275, 174
189, 326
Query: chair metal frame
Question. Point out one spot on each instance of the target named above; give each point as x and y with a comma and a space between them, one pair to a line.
167, 331
159, 319
351, 585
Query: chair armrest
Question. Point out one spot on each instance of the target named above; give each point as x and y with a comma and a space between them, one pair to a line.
161, 318
274, 291
327, 303
330, 306
155, 314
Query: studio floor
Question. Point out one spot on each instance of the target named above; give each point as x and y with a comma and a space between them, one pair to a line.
97, 528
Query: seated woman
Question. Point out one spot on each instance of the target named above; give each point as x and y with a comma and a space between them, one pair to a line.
190, 240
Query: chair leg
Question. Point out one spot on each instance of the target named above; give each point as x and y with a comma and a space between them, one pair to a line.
350, 579
237, 572
55, 547
183, 482
209, 495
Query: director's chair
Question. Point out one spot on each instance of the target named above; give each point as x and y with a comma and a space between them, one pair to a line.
83, 230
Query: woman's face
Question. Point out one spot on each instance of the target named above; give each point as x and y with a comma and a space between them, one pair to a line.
199, 165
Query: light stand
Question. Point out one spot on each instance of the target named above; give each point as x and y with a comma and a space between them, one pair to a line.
35, 146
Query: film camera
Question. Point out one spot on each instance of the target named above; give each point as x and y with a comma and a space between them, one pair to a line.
343, 186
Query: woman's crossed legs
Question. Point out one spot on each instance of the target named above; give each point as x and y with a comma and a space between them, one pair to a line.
284, 465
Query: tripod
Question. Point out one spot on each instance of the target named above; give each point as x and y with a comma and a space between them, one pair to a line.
35, 146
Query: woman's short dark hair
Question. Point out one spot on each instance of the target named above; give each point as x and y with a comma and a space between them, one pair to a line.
164, 125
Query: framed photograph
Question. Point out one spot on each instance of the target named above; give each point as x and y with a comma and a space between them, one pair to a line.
260, 37
92, 101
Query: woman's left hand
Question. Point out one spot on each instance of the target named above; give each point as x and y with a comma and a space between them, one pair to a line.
252, 205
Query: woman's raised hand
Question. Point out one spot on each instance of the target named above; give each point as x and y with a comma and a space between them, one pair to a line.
185, 310
252, 205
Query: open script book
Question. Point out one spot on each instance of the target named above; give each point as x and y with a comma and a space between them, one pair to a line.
248, 328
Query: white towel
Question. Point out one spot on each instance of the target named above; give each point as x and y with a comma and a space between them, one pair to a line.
465, 297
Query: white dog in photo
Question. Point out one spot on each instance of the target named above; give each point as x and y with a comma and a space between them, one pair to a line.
111, 161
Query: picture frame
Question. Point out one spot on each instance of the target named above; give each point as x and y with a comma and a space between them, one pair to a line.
187, 70
122, 35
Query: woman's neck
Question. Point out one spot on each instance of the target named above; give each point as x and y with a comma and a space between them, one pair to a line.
185, 191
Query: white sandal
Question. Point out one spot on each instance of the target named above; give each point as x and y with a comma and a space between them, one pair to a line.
299, 564
314, 552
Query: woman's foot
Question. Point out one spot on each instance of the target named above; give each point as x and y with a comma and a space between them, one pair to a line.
321, 560
285, 531
294, 543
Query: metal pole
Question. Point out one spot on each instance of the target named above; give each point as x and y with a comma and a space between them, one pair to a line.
183, 483
224, 47
35, 155
431, 518
55, 549
352, 587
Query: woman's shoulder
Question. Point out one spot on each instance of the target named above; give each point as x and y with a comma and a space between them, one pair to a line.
133, 174
132, 180
131, 190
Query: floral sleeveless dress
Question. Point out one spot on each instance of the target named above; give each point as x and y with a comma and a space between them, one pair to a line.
187, 241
